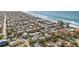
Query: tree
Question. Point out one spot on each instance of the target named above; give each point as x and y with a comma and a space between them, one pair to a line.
61, 23
1, 37
9, 34
67, 25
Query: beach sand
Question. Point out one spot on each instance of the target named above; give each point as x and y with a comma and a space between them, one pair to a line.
53, 20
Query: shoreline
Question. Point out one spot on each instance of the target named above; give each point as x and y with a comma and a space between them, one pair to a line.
72, 23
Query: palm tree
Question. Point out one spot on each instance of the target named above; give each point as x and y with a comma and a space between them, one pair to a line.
67, 25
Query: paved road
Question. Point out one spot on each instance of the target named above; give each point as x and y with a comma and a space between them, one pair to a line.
4, 27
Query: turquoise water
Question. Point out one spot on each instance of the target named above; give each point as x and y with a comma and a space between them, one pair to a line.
68, 16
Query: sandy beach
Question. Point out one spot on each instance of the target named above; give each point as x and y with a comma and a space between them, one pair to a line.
53, 20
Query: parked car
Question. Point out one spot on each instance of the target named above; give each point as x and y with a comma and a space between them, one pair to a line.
3, 43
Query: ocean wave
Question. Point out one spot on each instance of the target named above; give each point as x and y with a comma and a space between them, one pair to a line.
38, 15
74, 23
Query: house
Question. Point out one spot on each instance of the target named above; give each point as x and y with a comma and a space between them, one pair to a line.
24, 36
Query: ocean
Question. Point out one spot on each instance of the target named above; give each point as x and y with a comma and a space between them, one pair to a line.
66, 16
